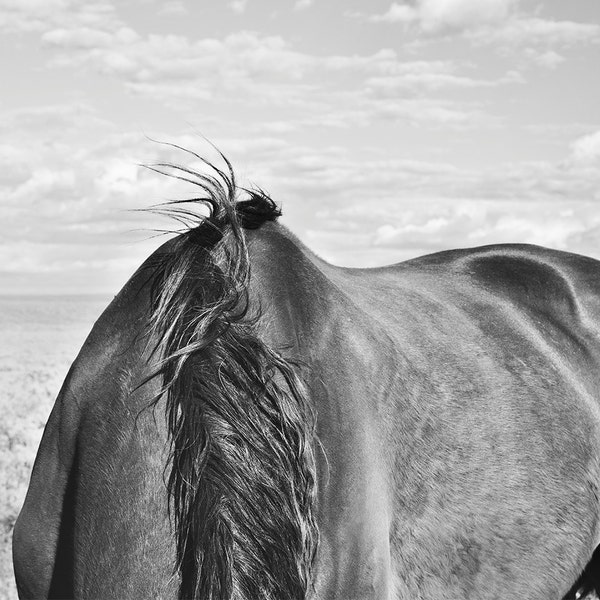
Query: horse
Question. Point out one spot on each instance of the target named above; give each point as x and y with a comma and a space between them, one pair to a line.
247, 421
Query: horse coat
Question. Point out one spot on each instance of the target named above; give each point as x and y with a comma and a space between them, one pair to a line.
425, 430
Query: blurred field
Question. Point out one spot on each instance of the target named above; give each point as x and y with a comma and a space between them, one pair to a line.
40, 337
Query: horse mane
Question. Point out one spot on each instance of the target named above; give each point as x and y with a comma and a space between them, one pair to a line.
241, 470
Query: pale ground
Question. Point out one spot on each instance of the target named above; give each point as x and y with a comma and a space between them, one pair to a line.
39, 339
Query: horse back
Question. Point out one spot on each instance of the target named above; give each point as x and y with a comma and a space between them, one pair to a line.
468, 387
457, 422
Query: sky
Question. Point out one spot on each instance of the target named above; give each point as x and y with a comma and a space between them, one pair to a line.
385, 130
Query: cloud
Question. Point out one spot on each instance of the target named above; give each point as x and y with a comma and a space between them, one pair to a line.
467, 223
397, 13
363, 210
173, 8
175, 69
27, 16
495, 23
85, 38
339, 90
50, 118
534, 40
432, 80
530, 31
303, 4
487, 21
65, 211
376, 209
383, 209
77, 178
433, 223
429, 113
43, 183
586, 149
435, 16
238, 6
549, 59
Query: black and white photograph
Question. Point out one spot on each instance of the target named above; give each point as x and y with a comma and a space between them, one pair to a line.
300, 299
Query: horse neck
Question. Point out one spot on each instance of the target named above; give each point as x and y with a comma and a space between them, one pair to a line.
308, 316
284, 286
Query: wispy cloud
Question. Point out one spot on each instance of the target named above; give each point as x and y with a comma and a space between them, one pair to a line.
343, 90
326, 128
85, 38
586, 149
426, 112
496, 23
428, 77
438, 16
360, 211
27, 16
69, 180
238, 6
392, 207
533, 31
378, 209
65, 206
303, 4
549, 59
335, 90
173, 8
177, 67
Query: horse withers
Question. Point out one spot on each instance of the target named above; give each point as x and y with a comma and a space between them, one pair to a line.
247, 421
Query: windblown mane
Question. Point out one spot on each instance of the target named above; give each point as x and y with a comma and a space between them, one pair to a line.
241, 474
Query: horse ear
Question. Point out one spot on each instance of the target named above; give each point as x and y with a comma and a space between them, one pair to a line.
258, 209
